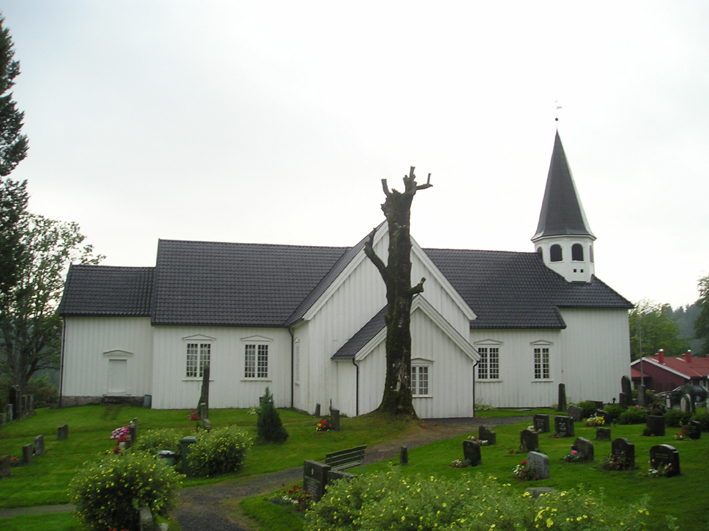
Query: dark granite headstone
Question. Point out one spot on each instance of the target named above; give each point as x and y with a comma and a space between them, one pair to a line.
575, 413
562, 397
63, 432
539, 463
39, 445
606, 416
564, 426
404, 456
185, 444
641, 396
541, 423
486, 434
624, 400
317, 410
603, 434
13, 402
27, 452
336, 475
623, 449
693, 429
664, 454
471, 453
335, 419
529, 441
315, 476
656, 423
5, 466
626, 386
585, 447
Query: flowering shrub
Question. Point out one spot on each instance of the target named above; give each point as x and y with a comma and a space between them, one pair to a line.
324, 425
681, 435
574, 457
614, 462
110, 492
298, 497
220, 451
121, 434
378, 502
524, 472
595, 421
633, 415
156, 440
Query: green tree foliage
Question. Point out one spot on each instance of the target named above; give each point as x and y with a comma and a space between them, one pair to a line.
685, 316
269, 425
658, 330
701, 323
30, 328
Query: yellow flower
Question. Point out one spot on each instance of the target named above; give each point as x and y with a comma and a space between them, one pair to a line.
550, 522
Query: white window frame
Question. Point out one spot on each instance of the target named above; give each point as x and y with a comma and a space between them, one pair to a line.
296, 362
488, 368
198, 353
541, 361
256, 358
419, 368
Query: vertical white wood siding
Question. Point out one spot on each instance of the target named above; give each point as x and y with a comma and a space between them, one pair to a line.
90, 343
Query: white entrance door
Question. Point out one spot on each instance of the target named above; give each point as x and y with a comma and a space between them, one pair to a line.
117, 376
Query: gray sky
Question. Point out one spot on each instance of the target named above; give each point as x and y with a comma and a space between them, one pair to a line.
274, 122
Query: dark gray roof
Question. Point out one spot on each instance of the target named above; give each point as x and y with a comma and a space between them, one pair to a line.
235, 284
363, 336
516, 290
107, 291
562, 213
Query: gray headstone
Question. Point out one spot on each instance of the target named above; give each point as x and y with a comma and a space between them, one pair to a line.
564, 426
315, 478
656, 423
404, 456
471, 453
529, 441
39, 445
535, 492
335, 419
623, 449
641, 395
486, 434
31, 405
63, 432
664, 454
624, 399
693, 429
688, 389
146, 519
317, 410
585, 447
541, 423
603, 434
207, 425
185, 444
562, 397
539, 463
575, 413
148, 401
27, 451
5, 466
203, 411
626, 386
685, 404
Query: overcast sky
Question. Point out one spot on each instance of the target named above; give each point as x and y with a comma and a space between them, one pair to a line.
274, 122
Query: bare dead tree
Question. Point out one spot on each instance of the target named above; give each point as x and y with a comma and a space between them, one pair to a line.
397, 398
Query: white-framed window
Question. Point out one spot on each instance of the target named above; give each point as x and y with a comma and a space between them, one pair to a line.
420, 380
296, 362
198, 356
255, 361
541, 363
489, 364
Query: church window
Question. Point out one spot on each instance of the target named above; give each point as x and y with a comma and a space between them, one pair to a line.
555, 253
541, 363
489, 364
420, 381
590, 253
256, 361
577, 252
198, 355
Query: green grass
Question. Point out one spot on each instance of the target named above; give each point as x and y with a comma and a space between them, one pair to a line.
41, 522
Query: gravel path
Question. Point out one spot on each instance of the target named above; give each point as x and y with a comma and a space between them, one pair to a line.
203, 508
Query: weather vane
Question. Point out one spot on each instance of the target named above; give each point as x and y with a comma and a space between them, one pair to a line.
556, 117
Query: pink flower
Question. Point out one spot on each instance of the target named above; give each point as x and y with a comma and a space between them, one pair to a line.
574, 452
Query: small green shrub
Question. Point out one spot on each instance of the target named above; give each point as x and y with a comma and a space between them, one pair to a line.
703, 419
269, 425
110, 492
615, 411
45, 394
675, 417
633, 415
220, 451
589, 408
378, 502
155, 440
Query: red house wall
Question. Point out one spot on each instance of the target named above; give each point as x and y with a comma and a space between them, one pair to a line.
662, 380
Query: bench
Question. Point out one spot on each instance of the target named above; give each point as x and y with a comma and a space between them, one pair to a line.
344, 459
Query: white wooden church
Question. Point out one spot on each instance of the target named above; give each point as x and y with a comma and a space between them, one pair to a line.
500, 328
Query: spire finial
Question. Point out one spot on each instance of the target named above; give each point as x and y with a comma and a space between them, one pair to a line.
556, 117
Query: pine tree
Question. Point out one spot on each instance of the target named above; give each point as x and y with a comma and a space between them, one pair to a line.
269, 425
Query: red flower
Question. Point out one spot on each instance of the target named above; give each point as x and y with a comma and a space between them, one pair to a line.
116, 450
524, 463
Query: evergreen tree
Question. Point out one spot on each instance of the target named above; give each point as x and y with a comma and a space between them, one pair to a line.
269, 425
701, 323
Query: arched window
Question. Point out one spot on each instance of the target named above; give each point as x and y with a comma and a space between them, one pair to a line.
590, 253
540, 252
555, 253
577, 252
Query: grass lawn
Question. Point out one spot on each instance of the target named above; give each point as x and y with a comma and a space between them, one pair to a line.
682, 496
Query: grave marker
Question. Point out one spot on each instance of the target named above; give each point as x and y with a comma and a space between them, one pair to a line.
486, 434
584, 447
39, 445
541, 423
575, 413
564, 426
335, 419
5, 466
315, 478
606, 416
539, 463
529, 441
693, 429
656, 423
471, 453
641, 395
623, 450
403, 456
317, 410
63, 432
27, 451
603, 434
9, 412
665, 455
562, 397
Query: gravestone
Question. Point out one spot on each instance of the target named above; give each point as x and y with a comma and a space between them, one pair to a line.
685, 404
606, 416
585, 447
486, 434
146, 519
539, 463
564, 426
688, 389
63, 432
13, 403
133, 430
315, 478
575, 413
535, 492
336, 475
207, 425
623, 449
562, 397
148, 401
641, 395
541, 423
626, 386
5, 466
30, 405
335, 419
624, 400
664, 454
9, 413
471, 453
39, 445
185, 444
656, 423
529, 441
27, 451
317, 410
693, 429
404, 456
603, 434
204, 412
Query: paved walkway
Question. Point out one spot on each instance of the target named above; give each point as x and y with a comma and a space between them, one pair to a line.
202, 508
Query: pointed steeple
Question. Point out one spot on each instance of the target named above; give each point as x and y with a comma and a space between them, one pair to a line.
562, 213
